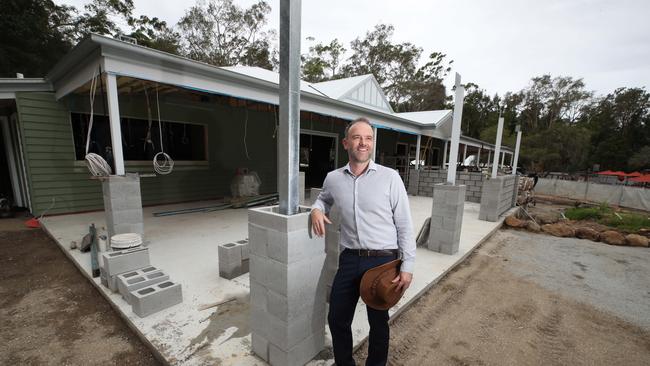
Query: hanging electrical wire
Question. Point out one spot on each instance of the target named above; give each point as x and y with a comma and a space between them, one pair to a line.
162, 163
95, 163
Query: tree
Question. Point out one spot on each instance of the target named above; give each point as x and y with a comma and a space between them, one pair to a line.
620, 123
32, 38
393, 65
425, 90
552, 100
641, 159
221, 33
323, 61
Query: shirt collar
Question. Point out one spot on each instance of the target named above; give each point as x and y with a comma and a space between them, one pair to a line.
371, 166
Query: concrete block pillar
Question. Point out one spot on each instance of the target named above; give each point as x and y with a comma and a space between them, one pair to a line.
491, 196
414, 182
123, 204
287, 265
446, 218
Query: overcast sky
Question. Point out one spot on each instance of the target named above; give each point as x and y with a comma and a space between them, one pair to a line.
497, 44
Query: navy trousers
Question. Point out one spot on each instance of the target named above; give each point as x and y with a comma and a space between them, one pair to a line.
343, 301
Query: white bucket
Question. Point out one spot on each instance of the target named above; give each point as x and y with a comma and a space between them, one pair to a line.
125, 241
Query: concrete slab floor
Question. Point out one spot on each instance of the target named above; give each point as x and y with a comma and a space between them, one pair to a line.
185, 247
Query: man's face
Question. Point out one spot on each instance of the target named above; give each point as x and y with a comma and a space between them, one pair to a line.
358, 143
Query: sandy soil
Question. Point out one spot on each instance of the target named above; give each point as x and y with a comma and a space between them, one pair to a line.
51, 315
532, 299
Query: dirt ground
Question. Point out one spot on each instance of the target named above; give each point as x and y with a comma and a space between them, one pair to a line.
532, 299
52, 315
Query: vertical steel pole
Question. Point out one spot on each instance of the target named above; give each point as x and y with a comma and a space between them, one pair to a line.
289, 130
497, 148
455, 131
478, 157
417, 153
517, 146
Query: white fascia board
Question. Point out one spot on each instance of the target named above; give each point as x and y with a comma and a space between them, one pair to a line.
78, 76
7, 95
253, 90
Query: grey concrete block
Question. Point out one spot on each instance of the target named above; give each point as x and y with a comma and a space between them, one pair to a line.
289, 278
259, 322
269, 217
294, 246
300, 354
245, 250
260, 346
229, 253
152, 299
286, 335
131, 281
259, 269
305, 300
257, 239
259, 295
121, 261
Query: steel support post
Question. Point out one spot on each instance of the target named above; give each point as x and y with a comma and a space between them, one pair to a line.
114, 122
289, 130
455, 131
497, 148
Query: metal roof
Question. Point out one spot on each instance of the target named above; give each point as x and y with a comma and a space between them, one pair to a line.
338, 88
126, 59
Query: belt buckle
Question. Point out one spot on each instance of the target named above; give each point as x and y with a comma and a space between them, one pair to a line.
367, 253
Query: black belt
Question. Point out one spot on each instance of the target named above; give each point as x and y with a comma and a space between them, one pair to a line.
372, 253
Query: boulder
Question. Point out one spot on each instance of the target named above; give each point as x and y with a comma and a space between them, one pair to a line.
587, 233
612, 237
513, 221
637, 240
532, 226
561, 230
547, 217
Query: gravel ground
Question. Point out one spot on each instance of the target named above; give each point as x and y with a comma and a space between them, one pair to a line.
532, 299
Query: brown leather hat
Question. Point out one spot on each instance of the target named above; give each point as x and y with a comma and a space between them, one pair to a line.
377, 289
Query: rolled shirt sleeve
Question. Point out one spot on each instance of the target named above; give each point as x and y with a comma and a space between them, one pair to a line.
324, 201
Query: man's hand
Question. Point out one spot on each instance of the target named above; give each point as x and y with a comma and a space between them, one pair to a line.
403, 281
318, 220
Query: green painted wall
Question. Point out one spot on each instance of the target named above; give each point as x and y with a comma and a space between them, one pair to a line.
55, 174
46, 136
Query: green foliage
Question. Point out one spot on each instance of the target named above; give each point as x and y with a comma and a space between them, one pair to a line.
323, 61
222, 33
603, 214
32, 40
395, 66
631, 222
640, 160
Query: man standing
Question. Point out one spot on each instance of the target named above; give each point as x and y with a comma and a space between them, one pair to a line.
375, 228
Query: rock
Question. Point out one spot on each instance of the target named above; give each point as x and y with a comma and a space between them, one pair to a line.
587, 233
532, 226
637, 240
561, 230
612, 237
513, 221
546, 217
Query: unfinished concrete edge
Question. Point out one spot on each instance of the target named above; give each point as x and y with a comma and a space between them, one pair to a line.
156, 353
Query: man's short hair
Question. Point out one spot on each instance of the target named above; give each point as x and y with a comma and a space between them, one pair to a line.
358, 120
